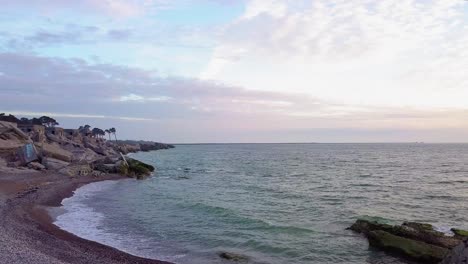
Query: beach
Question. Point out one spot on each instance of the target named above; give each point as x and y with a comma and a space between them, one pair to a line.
27, 234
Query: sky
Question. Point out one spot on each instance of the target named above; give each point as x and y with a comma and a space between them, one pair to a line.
212, 71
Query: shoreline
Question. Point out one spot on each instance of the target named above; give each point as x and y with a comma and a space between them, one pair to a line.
27, 232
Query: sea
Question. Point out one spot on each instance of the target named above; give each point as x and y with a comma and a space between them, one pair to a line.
272, 203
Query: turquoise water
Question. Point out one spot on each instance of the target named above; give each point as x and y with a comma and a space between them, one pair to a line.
275, 203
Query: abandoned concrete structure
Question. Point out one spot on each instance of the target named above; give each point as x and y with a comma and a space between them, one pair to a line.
28, 128
35, 132
70, 133
57, 131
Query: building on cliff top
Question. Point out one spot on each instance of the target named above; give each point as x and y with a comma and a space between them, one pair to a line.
35, 132
57, 131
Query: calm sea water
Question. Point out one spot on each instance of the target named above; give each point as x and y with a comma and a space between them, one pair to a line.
275, 203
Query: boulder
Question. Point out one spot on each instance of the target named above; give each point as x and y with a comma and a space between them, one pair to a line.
54, 151
95, 147
27, 154
417, 231
77, 170
233, 257
55, 164
458, 255
414, 240
366, 226
414, 249
134, 168
462, 234
106, 168
36, 166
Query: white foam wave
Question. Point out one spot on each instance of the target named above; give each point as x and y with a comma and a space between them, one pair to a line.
82, 220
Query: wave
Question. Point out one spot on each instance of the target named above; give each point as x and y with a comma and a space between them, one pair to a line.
243, 222
84, 221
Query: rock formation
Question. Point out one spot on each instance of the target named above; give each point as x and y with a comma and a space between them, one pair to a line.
417, 241
70, 152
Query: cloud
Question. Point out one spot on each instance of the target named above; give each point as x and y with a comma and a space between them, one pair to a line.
121, 8
139, 98
74, 88
41, 84
390, 52
119, 34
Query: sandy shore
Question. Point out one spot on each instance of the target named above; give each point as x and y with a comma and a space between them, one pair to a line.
27, 234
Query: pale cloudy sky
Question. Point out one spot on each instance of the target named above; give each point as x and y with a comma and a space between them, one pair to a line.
241, 70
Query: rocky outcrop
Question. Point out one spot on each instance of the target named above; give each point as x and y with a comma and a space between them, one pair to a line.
233, 257
36, 166
54, 164
135, 169
462, 234
11, 138
55, 151
70, 151
417, 241
150, 146
77, 170
128, 146
459, 255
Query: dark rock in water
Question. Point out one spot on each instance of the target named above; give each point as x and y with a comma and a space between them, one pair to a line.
233, 257
135, 169
460, 233
365, 226
417, 231
459, 255
414, 240
425, 233
420, 226
414, 249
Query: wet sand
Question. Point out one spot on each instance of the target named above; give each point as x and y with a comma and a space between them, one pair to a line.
27, 234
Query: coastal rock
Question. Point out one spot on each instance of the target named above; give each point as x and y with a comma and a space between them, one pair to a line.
77, 170
11, 138
233, 257
135, 168
36, 166
95, 147
425, 233
412, 230
366, 226
418, 241
106, 168
54, 164
414, 249
54, 151
462, 234
459, 255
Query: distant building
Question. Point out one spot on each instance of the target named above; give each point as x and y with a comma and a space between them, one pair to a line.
57, 131
35, 132
71, 133
28, 128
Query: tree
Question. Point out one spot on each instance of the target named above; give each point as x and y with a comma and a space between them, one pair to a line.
112, 130
48, 121
97, 132
108, 133
24, 120
85, 130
